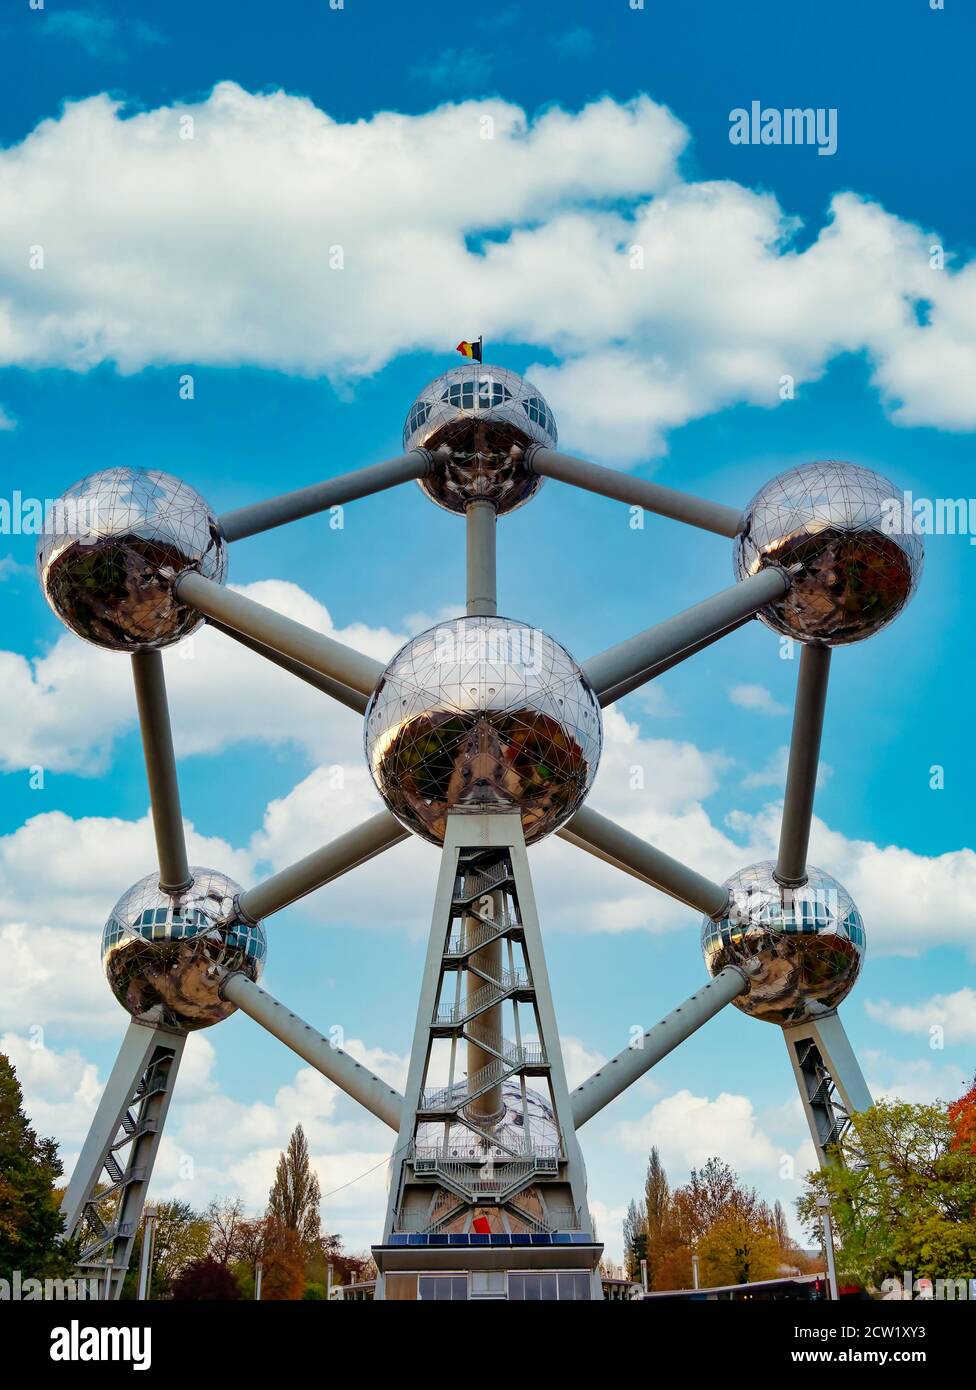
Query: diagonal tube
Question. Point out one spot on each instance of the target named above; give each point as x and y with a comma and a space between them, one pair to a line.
283, 635
615, 845
322, 866
629, 1066
164, 791
370, 1090
262, 516
628, 665
638, 492
801, 776
343, 693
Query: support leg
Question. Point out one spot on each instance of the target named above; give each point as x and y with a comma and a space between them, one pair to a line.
103, 1203
829, 1078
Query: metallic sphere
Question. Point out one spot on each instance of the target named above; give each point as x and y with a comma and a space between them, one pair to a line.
484, 418
484, 714
165, 953
829, 525
801, 948
535, 1131
111, 548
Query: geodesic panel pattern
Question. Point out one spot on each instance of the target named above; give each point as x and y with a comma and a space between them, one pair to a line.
801, 948
830, 525
111, 548
534, 1132
479, 414
165, 953
486, 714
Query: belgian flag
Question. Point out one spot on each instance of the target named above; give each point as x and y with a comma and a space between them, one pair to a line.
472, 350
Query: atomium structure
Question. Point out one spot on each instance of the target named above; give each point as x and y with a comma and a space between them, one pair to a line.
482, 736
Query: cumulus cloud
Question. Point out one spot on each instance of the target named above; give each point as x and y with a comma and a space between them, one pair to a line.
684, 1128
954, 1014
663, 299
757, 698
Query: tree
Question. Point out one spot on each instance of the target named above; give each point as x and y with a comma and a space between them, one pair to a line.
206, 1279
182, 1236
737, 1249
657, 1203
31, 1225
902, 1194
283, 1257
962, 1113
635, 1239
225, 1220
293, 1202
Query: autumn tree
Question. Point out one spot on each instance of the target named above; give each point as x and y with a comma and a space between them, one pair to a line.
962, 1114
293, 1202
225, 1220
657, 1202
31, 1225
739, 1249
902, 1194
206, 1279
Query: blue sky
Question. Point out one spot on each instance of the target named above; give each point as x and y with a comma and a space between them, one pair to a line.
761, 260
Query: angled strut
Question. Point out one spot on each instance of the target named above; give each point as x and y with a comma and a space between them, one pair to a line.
621, 669
629, 1066
284, 636
615, 845
665, 501
370, 1090
262, 516
346, 852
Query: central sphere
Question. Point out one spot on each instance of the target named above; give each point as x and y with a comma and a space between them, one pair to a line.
165, 954
801, 948
483, 714
111, 549
484, 418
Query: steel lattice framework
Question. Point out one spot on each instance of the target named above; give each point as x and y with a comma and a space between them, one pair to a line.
479, 748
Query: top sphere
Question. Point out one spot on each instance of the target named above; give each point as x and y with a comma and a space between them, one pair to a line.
112, 547
829, 525
483, 714
801, 948
486, 417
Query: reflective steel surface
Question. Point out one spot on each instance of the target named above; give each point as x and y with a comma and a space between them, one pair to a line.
164, 952
111, 549
829, 525
540, 1133
483, 714
480, 413
801, 948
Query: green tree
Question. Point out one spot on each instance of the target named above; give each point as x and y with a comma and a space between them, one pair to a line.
295, 1195
902, 1195
635, 1239
182, 1236
31, 1226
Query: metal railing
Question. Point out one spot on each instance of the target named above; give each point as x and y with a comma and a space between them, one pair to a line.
492, 992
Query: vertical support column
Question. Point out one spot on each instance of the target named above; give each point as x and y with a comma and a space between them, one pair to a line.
801, 776
131, 1114
829, 1079
482, 584
488, 1107
164, 792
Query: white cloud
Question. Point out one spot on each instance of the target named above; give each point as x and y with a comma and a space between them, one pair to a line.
7, 421
723, 307
954, 1014
690, 1129
757, 698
